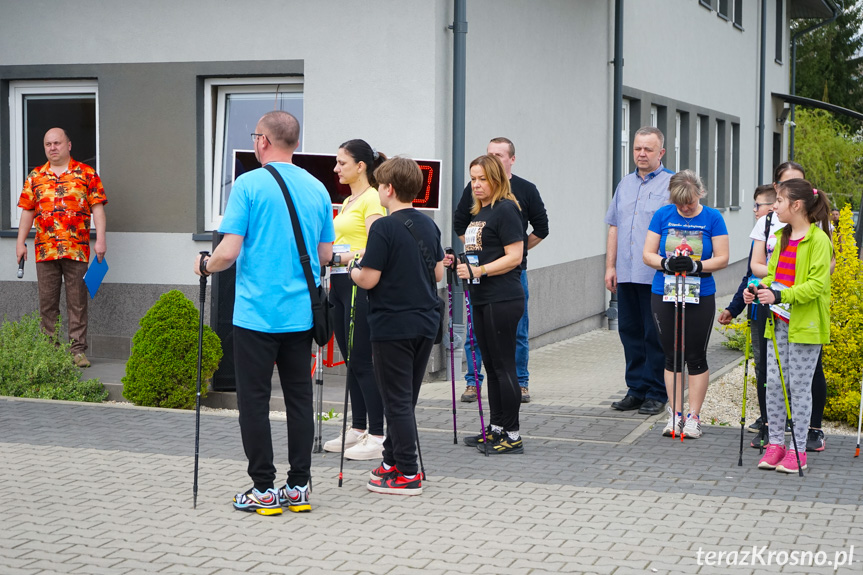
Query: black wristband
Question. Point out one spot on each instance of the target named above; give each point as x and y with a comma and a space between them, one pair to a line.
778, 295
663, 265
203, 267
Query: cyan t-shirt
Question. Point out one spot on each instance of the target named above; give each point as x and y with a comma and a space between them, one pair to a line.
691, 237
272, 295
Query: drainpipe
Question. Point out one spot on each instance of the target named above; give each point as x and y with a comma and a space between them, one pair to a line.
459, 66
616, 160
761, 92
794, 38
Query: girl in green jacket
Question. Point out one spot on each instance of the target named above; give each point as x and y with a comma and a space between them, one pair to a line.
797, 287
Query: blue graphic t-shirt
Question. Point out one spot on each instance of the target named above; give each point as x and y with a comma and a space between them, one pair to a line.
691, 237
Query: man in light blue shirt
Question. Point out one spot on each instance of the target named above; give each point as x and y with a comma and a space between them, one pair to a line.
272, 307
635, 200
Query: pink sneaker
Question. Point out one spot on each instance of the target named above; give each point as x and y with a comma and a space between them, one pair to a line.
772, 457
789, 462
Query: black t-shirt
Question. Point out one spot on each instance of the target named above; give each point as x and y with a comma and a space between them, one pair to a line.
484, 239
404, 304
532, 211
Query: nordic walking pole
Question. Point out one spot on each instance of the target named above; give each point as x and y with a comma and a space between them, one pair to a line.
676, 352
859, 421
203, 298
419, 449
449, 284
319, 389
463, 259
348, 366
684, 370
748, 340
784, 392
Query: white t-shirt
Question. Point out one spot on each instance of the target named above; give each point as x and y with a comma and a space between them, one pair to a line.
758, 233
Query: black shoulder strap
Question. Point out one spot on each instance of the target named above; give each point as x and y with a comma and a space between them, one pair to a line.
424, 251
298, 235
767, 230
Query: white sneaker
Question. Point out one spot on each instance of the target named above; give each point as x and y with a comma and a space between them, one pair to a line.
692, 429
369, 448
673, 421
353, 437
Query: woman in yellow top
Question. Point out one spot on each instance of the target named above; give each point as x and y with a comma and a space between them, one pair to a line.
355, 166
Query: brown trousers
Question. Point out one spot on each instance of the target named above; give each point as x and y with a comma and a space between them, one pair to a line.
50, 275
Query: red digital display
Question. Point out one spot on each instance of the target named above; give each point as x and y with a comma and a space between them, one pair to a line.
321, 167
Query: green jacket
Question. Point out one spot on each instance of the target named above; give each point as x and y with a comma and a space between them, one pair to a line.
810, 295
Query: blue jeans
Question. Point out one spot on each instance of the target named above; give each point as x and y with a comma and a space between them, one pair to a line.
522, 347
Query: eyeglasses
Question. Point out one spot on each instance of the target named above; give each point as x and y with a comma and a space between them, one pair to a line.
256, 136
756, 205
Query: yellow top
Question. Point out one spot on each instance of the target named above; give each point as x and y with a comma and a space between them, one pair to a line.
350, 224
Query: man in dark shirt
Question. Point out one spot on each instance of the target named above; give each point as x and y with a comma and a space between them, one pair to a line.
533, 213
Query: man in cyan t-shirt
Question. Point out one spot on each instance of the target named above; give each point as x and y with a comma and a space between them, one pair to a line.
272, 308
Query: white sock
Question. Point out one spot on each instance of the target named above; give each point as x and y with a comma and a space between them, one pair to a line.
513, 435
497, 429
411, 476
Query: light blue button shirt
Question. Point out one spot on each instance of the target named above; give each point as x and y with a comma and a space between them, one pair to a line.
631, 209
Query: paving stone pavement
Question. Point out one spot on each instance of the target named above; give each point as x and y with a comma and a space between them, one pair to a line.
107, 489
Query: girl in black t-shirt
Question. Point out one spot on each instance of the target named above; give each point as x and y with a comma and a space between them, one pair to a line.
494, 245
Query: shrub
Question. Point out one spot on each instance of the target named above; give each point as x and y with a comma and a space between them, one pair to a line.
843, 356
735, 334
162, 369
33, 364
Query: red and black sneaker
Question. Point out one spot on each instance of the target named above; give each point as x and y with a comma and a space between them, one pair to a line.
380, 471
397, 484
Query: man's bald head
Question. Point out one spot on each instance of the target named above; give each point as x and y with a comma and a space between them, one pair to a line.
58, 146
282, 129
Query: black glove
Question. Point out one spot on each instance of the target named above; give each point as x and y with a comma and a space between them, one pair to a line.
666, 265
683, 264
778, 295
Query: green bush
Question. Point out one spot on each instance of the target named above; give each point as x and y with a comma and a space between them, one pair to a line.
735, 334
35, 365
162, 370
843, 356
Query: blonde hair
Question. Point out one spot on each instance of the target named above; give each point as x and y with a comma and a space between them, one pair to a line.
496, 176
685, 187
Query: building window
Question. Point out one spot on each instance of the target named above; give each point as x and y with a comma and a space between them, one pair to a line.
232, 108
37, 106
722, 9
624, 139
780, 27
738, 14
720, 185
654, 116
698, 145
734, 176
677, 142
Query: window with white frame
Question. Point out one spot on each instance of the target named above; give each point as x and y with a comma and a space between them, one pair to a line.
39, 105
738, 14
624, 140
232, 108
677, 124
698, 147
716, 166
654, 116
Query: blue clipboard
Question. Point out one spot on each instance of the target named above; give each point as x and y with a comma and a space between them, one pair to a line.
95, 274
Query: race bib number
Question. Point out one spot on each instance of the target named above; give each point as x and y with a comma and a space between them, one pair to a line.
690, 289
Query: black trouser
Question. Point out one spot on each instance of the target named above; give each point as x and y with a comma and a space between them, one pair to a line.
641, 347
365, 398
495, 326
254, 355
699, 323
399, 370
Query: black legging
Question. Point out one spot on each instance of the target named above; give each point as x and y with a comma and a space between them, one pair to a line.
365, 398
699, 322
494, 326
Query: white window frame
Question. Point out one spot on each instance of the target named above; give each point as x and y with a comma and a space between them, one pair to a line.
716, 164
698, 146
215, 91
17, 90
624, 139
677, 123
654, 116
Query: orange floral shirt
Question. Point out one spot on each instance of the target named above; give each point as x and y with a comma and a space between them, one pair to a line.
62, 205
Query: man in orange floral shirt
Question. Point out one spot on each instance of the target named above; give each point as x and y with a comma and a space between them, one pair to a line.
60, 197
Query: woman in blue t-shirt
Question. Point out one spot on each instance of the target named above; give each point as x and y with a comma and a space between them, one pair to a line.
685, 237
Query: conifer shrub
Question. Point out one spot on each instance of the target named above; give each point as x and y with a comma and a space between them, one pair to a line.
843, 356
35, 365
162, 369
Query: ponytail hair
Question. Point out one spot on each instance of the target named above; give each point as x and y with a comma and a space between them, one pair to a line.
361, 151
815, 204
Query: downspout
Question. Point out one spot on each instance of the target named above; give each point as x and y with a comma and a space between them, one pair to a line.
617, 123
459, 28
794, 38
762, 92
